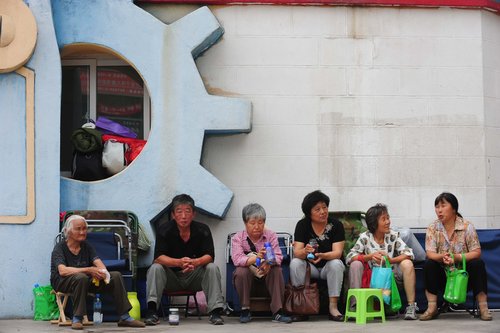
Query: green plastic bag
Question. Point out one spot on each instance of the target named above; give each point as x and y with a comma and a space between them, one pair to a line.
395, 298
45, 303
455, 291
384, 279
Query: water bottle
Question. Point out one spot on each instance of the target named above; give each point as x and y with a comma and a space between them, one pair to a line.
37, 293
258, 262
314, 243
270, 257
97, 310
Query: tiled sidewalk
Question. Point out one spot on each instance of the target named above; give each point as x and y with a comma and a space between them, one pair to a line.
448, 322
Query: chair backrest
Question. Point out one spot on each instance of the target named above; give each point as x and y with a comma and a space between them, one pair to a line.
354, 224
106, 244
285, 241
118, 228
109, 248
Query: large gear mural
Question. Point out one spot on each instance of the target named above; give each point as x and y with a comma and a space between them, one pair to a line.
182, 110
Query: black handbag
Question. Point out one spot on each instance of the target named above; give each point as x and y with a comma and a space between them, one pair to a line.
302, 300
88, 166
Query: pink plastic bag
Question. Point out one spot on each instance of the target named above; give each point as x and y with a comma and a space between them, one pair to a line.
202, 303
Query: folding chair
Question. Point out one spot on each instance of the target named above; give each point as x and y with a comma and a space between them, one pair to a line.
62, 300
171, 304
259, 299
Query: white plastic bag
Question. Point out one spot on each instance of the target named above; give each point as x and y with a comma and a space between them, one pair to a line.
113, 156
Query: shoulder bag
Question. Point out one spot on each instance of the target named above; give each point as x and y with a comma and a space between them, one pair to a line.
367, 273
302, 300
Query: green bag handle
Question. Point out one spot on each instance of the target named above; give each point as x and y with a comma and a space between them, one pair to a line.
463, 261
387, 263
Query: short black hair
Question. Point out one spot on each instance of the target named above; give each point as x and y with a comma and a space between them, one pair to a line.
372, 216
182, 199
311, 199
450, 198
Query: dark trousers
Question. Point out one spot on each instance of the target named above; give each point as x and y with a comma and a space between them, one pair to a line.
435, 277
81, 284
243, 279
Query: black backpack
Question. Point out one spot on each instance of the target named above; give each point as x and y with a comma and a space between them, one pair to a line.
88, 166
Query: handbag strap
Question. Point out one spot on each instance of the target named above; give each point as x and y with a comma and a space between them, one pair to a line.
385, 259
308, 275
464, 265
307, 281
463, 260
448, 269
251, 245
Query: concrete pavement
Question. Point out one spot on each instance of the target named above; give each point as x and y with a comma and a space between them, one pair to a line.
447, 322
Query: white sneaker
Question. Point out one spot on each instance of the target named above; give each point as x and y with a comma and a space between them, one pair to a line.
411, 312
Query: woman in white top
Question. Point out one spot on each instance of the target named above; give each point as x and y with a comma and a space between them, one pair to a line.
381, 241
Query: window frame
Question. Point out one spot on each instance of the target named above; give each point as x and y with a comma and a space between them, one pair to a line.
93, 64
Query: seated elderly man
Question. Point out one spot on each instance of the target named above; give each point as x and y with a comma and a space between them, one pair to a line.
75, 268
184, 255
248, 252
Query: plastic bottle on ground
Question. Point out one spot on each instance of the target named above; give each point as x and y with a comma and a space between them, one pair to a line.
97, 309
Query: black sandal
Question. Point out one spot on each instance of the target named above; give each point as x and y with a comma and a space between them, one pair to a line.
335, 318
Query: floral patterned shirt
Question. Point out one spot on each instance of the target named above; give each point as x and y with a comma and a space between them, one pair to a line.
393, 246
463, 239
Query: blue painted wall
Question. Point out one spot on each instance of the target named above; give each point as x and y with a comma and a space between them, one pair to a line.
182, 112
13, 175
25, 249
